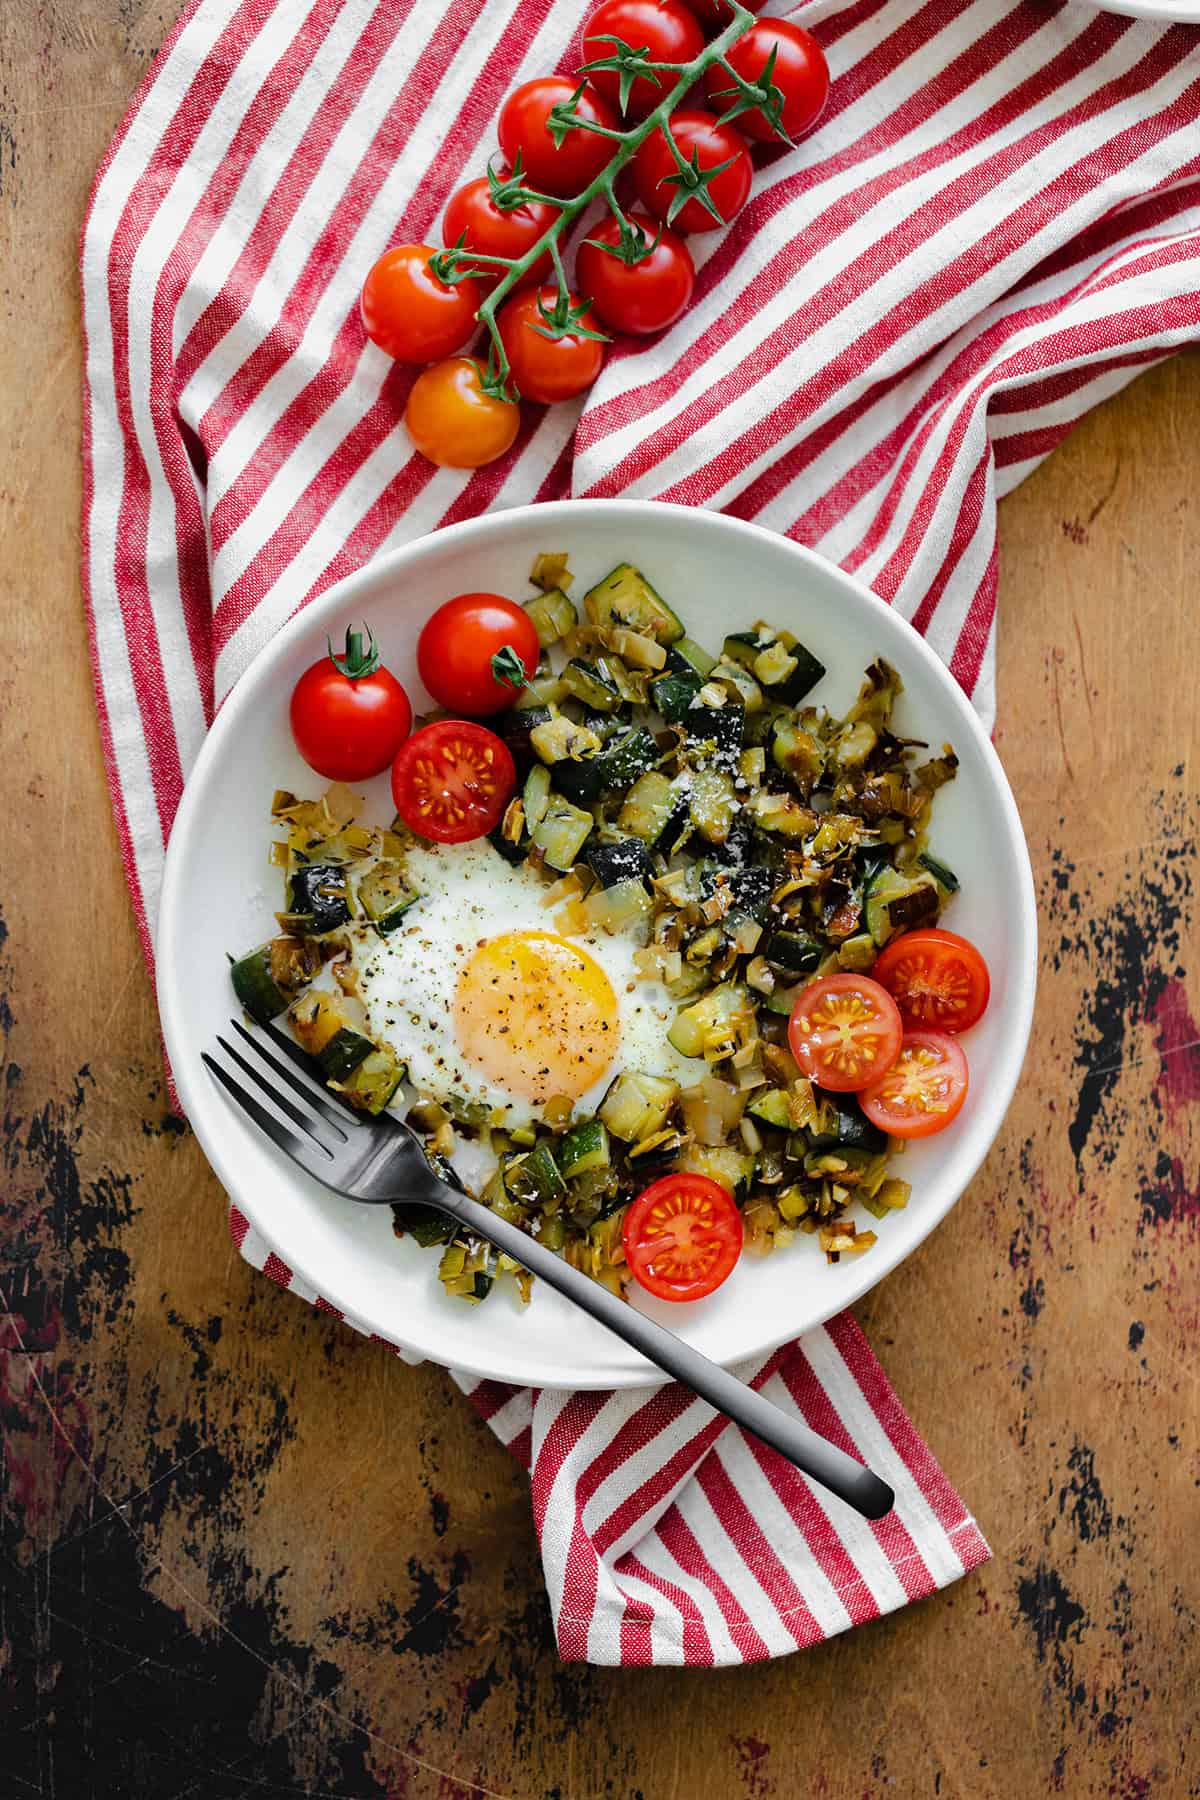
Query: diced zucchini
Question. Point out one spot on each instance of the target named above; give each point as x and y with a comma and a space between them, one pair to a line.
561, 739
636, 1105
781, 814
316, 1020
536, 796
561, 833
734, 1169
623, 758
723, 726
772, 1107
752, 889
743, 647
551, 569
712, 802
618, 908
546, 689
512, 852
674, 692
653, 805
343, 1053
944, 877
896, 902
373, 1084
386, 896
685, 656
582, 1148
890, 1196
740, 683
553, 616
852, 1131
320, 892
710, 1026
783, 667
424, 1224
515, 728
798, 753
625, 597
255, 986
644, 653
627, 860
592, 683
798, 681
858, 953
535, 1180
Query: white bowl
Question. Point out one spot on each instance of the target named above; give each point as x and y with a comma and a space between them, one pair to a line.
219, 895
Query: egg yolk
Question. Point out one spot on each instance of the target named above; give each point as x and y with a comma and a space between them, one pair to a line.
537, 1014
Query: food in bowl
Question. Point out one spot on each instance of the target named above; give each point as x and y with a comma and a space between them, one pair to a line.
619, 960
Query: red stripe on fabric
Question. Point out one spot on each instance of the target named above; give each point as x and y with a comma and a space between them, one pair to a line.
971, 647
1063, 383
323, 1305
131, 571
696, 1643
682, 1543
275, 1269
522, 1446
747, 1537
386, 1344
890, 1532
570, 1423
637, 1646
825, 1543
488, 1397
840, 217
918, 1458
239, 1225
931, 295
556, 484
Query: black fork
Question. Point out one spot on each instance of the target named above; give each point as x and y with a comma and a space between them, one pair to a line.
378, 1161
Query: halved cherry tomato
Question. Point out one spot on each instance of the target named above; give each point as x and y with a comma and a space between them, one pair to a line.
638, 297
453, 422
548, 369
349, 715
568, 167
452, 781
923, 1090
844, 1031
476, 652
697, 135
663, 28
800, 73
412, 315
682, 1236
936, 978
473, 217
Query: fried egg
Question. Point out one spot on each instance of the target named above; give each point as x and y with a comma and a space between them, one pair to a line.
488, 1005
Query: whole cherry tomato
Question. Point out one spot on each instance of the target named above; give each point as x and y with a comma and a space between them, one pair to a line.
715, 15
453, 422
924, 1089
844, 1030
658, 179
665, 29
936, 978
412, 315
476, 652
452, 781
801, 75
569, 167
548, 369
637, 297
682, 1236
349, 715
473, 216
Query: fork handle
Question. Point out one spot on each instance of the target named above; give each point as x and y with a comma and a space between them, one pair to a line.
834, 1469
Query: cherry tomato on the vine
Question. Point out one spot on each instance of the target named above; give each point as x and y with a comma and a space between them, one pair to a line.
452, 781
476, 652
412, 315
473, 216
453, 422
665, 29
924, 1089
800, 73
844, 1030
637, 297
548, 369
657, 176
936, 978
349, 715
569, 168
714, 15
682, 1236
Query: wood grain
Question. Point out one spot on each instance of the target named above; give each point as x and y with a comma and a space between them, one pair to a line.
245, 1553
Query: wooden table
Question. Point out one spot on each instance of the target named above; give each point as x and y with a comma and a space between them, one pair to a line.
247, 1554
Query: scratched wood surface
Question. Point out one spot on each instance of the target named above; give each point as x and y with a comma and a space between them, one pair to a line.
243, 1553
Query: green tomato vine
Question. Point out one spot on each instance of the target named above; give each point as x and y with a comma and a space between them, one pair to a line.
563, 317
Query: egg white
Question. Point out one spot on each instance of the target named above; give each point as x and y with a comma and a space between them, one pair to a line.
408, 980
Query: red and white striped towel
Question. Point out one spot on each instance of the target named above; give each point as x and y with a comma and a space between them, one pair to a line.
996, 225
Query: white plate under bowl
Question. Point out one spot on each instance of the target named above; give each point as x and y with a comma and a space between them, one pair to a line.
219, 895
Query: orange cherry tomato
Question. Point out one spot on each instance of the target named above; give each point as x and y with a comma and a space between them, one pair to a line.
936, 978
452, 780
453, 422
924, 1089
412, 315
548, 369
682, 1236
844, 1031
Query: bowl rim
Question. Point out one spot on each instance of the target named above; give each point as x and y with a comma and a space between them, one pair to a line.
200, 1104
